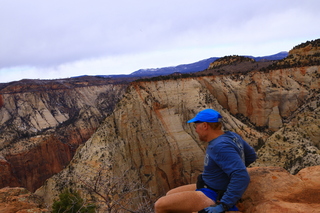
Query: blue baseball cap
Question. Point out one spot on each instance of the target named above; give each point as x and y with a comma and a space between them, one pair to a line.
206, 115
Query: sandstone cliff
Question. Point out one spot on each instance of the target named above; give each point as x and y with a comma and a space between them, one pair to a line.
296, 144
147, 132
146, 139
305, 54
43, 122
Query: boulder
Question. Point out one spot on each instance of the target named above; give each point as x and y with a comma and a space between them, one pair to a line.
273, 189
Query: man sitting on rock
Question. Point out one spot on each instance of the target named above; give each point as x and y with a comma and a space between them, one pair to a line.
225, 177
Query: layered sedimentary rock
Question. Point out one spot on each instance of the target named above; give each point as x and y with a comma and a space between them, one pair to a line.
265, 98
147, 132
42, 124
146, 139
296, 144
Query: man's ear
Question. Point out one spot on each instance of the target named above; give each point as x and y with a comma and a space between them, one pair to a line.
205, 125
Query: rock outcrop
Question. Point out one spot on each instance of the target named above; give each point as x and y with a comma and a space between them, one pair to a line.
43, 122
273, 189
147, 132
145, 139
20, 200
305, 54
296, 144
229, 60
7, 176
265, 98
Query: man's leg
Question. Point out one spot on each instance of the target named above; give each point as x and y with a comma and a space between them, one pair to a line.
183, 202
189, 187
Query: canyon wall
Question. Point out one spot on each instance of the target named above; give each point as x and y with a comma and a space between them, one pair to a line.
42, 124
296, 144
147, 138
88, 134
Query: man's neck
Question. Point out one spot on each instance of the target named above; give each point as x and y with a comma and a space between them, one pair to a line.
214, 134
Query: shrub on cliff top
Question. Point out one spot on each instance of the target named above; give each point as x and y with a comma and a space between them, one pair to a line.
71, 202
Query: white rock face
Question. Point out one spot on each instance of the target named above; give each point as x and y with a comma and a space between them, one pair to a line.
41, 128
275, 120
31, 112
296, 144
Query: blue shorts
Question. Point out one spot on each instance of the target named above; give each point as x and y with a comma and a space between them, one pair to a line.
213, 196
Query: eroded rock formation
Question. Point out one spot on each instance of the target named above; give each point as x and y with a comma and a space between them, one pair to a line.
146, 136
20, 200
147, 132
43, 123
273, 189
296, 144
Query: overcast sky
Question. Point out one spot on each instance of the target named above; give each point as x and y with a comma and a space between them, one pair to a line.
49, 39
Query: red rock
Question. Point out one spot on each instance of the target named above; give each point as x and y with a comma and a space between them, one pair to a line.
7, 177
40, 162
274, 190
20, 200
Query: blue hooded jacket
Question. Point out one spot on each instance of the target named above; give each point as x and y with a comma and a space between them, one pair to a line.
227, 157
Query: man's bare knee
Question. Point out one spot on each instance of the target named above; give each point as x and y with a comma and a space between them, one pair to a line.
189, 187
159, 205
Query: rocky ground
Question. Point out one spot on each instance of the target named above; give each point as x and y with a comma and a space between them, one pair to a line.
272, 189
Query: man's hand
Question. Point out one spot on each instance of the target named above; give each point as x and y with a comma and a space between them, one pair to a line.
216, 209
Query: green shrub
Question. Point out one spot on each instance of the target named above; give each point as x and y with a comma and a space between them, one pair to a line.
71, 202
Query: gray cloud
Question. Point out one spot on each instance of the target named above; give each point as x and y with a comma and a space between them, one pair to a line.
53, 33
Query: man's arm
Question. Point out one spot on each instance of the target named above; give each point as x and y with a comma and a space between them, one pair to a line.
230, 162
249, 154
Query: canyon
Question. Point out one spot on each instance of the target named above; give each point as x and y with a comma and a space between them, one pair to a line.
42, 124
147, 137
62, 138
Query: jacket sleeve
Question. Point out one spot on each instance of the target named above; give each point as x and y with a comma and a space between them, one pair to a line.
229, 160
249, 153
